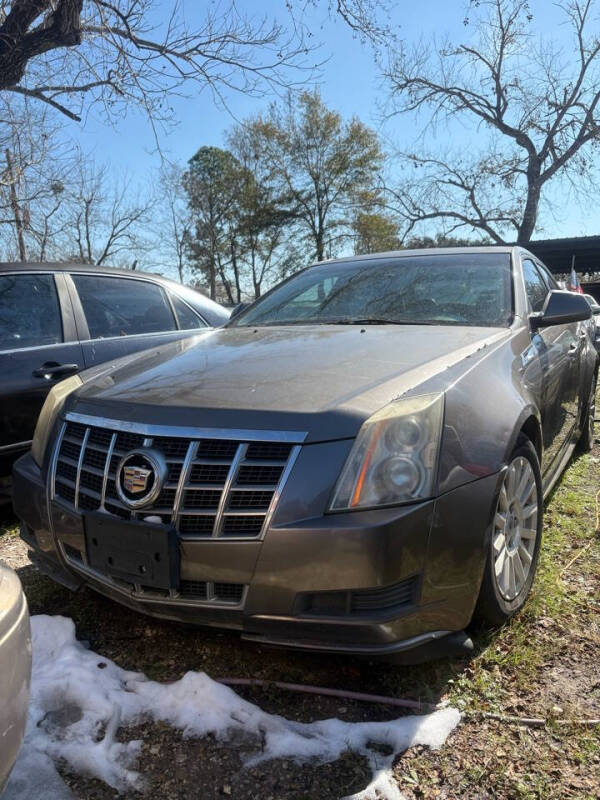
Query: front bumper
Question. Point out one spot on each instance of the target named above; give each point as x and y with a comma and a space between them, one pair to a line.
369, 582
15, 670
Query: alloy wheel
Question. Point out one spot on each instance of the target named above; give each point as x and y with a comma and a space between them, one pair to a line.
515, 528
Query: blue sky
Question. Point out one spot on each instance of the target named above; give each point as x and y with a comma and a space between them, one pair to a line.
349, 83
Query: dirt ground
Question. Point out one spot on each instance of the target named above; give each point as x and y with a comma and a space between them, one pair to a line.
545, 663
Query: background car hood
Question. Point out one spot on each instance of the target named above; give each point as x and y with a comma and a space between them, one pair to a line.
320, 379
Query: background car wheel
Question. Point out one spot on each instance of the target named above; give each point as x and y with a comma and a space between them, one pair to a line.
586, 441
515, 540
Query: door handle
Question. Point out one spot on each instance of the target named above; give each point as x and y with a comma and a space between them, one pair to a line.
51, 369
573, 349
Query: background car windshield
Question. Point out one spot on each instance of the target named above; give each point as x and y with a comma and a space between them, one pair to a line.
461, 289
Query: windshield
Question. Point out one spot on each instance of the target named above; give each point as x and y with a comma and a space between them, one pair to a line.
461, 289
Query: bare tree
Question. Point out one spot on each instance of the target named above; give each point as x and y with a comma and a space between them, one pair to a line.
106, 222
367, 19
532, 105
33, 167
12, 180
67, 52
173, 223
47, 227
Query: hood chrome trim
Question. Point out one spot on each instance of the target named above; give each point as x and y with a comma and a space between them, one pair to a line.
287, 437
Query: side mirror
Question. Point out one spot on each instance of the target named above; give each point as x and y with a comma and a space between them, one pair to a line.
561, 308
238, 309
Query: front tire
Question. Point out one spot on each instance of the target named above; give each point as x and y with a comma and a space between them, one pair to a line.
516, 537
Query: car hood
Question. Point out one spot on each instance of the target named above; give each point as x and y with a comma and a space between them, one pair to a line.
321, 380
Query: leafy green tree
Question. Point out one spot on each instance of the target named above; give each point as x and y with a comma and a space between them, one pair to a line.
265, 219
212, 184
375, 233
237, 231
320, 164
441, 240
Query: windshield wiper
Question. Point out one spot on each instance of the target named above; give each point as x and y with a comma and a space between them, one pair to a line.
357, 321
376, 321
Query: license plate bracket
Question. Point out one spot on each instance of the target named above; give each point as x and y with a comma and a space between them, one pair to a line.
132, 550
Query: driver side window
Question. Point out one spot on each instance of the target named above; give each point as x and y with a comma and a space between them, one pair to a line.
123, 306
535, 286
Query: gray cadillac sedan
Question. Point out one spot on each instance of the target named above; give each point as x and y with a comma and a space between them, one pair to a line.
356, 463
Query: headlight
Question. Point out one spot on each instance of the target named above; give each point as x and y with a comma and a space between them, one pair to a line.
50, 410
394, 458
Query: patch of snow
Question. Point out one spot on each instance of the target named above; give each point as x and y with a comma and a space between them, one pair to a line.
80, 699
35, 776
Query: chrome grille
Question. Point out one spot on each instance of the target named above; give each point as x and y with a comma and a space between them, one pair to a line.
217, 485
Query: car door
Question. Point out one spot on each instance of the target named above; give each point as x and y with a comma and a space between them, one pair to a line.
558, 348
121, 315
38, 347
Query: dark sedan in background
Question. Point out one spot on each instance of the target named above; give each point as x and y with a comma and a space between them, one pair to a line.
58, 319
356, 463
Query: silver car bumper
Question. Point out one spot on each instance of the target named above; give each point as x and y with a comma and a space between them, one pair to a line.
15, 669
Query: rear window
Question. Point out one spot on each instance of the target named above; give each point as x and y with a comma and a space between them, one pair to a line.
123, 306
29, 311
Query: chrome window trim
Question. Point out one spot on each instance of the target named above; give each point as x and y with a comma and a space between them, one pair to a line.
99, 274
285, 437
205, 329
26, 271
40, 347
128, 336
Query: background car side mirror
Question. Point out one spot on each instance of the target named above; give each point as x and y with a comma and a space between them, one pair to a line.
561, 308
238, 309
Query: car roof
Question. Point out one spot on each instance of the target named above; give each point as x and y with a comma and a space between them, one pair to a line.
74, 266
429, 251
